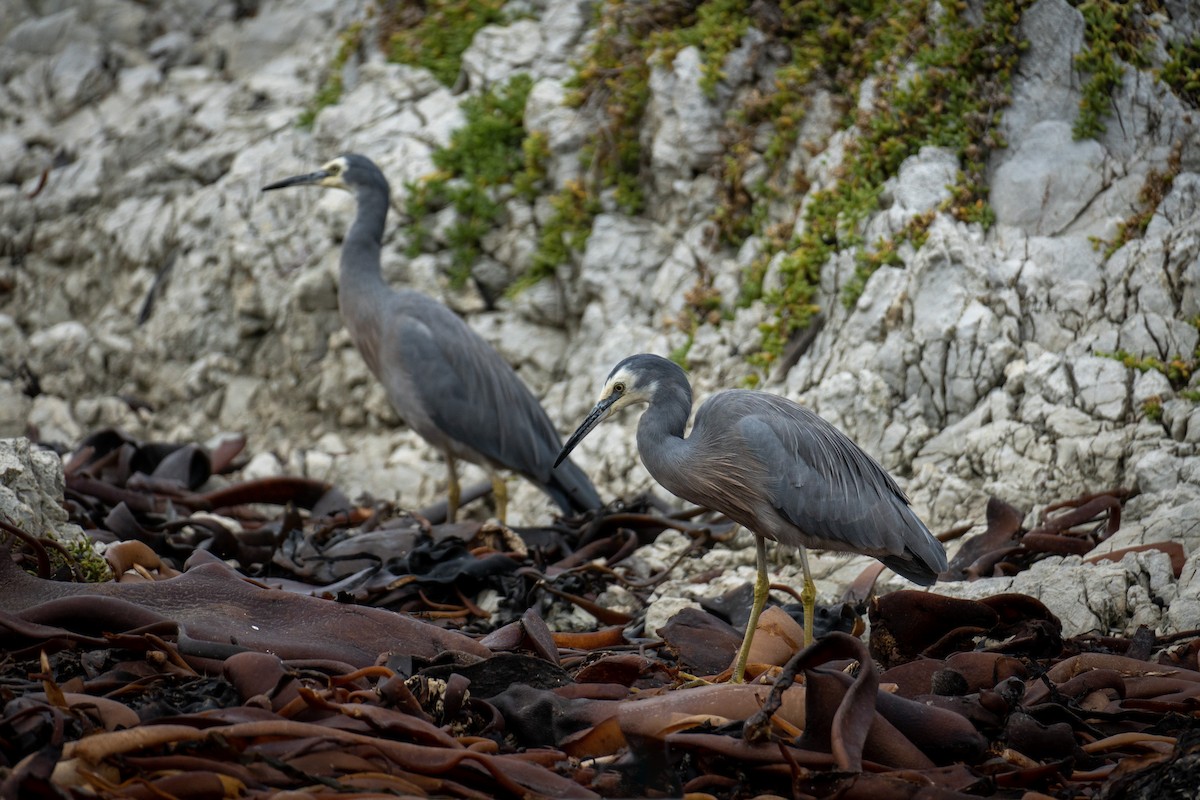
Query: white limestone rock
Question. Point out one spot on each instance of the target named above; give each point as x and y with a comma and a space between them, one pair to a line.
66, 358
680, 121
31, 490
51, 420
1063, 290
268, 35
564, 129
541, 47
1183, 614
1101, 387
1045, 86
1087, 598
1047, 180
15, 406
499, 52
922, 183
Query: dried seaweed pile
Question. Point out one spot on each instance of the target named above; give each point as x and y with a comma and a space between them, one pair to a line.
212, 682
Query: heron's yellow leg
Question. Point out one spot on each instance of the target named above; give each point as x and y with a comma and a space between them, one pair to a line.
453, 490
500, 495
808, 596
762, 587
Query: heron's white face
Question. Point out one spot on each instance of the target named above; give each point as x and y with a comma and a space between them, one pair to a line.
336, 169
623, 388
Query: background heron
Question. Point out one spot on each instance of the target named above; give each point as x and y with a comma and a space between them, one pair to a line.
442, 378
774, 467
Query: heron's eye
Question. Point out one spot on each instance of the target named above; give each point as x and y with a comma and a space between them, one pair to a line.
618, 388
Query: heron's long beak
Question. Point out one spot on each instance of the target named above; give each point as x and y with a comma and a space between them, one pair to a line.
299, 180
598, 414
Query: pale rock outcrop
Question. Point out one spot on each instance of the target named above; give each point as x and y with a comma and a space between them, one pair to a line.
143, 268
31, 491
1048, 180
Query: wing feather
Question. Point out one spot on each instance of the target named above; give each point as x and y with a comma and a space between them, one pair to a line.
825, 491
474, 399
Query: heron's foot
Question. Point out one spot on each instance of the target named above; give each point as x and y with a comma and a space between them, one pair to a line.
739, 667
500, 496
453, 491
808, 596
691, 681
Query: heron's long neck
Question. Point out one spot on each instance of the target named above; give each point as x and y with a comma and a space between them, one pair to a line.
660, 435
360, 270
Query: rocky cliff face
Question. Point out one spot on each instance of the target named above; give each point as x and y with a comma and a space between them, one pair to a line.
148, 284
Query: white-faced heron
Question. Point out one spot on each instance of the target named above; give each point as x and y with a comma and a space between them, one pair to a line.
772, 466
442, 378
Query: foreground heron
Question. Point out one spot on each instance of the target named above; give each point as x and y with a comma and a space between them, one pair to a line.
442, 378
772, 466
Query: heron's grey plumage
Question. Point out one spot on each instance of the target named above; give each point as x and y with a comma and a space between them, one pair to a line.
443, 379
778, 469
770, 465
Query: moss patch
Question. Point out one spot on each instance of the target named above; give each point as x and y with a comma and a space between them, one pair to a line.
1158, 184
435, 34
332, 88
565, 233
952, 100
1115, 33
491, 150
1182, 71
833, 46
93, 566
1178, 370
612, 83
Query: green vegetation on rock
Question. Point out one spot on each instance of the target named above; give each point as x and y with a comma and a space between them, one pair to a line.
1158, 184
93, 566
1182, 70
435, 34
331, 90
1178, 371
937, 74
490, 151
1114, 35
953, 99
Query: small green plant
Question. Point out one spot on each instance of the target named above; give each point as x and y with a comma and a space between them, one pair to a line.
566, 232
93, 566
1115, 32
680, 354
612, 82
953, 100
1152, 408
1158, 184
833, 45
1178, 370
535, 152
331, 90
719, 27
702, 305
434, 34
885, 253
1182, 70
490, 149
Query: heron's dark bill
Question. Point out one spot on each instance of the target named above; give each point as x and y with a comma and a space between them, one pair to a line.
599, 412
298, 180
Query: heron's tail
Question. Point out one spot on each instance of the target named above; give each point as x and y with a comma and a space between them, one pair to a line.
571, 490
922, 565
